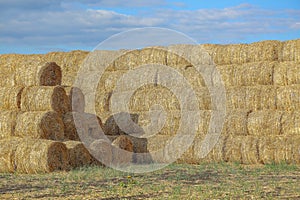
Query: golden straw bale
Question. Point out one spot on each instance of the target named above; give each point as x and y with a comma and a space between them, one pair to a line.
42, 125
7, 70
293, 148
290, 51
247, 74
232, 149
111, 127
87, 126
79, 155
7, 123
265, 123
249, 150
10, 98
287, 73
70, 63
147, 96
290, 123
8, 149
76, 100
129, 60
244, 53
236, 123
101, 150
260, 98
44, 98
235, 98
122, 148
288, 98
215, 155
29, 74
41, 156
272, 149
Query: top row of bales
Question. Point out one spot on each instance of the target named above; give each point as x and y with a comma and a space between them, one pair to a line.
259, 51
25, 69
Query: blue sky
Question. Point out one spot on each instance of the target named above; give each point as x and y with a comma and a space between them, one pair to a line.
31, 26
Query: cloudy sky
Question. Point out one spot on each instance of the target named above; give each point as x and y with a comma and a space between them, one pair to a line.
32, 26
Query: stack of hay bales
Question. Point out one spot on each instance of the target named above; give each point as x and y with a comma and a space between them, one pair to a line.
262, 82
34, 130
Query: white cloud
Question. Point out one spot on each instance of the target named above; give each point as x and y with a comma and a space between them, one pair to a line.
69, 26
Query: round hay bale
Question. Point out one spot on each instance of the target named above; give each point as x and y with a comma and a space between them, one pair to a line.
235, 98
290, 123
44, 98
122, 148
88, 126
79, 155
288, 98
236, 123
101, 150
290, 51
41, 156
10, 98
70, 63
42, 125
215, 155
76, 101
28, 74
123, 142
111, 127
287, 73
8, 149
7, 123
293, 149
232, 149
266, 150
249, 150
265, 123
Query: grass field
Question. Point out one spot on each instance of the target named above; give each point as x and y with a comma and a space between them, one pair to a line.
205, 181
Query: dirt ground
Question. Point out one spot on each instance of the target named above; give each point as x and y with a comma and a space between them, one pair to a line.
205, 181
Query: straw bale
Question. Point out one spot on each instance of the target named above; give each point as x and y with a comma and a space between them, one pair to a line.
41, 156
287, 73
44, 98
29, 74
215, 155
111, 127
7, 123
236, 123
147, 96
232, 149
293, 149
244, 53
260, 98
265, 123
7, 70
122, 148
40, 125
101, 150
70, 63
235, 98
290, 123
247, 74
79, 155
76, 100
290, 51
249, 150
109, 80
8, 149
288, 98
272, 149
84, 128
10, 98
